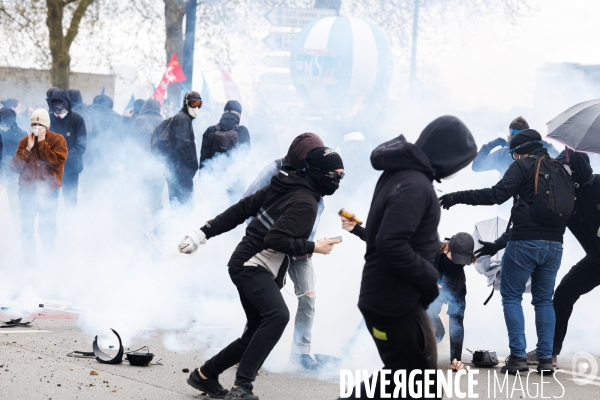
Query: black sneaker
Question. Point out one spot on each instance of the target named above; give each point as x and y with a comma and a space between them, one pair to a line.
546, 366
240, 393
210, 387
513, 364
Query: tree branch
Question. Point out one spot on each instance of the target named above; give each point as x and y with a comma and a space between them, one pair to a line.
74, 26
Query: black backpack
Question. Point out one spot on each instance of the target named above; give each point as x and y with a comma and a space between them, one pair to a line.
554, 193
160, 139
225, 140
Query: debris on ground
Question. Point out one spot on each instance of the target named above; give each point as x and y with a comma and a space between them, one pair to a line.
92, 372
186, 370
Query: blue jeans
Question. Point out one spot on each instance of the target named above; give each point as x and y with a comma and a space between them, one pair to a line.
302, 274
539, 259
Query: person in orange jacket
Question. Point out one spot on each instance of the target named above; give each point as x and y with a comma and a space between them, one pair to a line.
39, 161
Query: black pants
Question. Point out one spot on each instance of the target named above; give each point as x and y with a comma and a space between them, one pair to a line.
181, 187
70, 186
581, 279
406, 343
267, 316
456, 315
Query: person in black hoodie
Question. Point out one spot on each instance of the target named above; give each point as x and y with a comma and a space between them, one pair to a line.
230, 121
68, 123
399, 279
183, 162
284, 214
80, 107
103, 138
10, 135
584, 224
534, 250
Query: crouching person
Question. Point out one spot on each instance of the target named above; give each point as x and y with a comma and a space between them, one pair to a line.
454, 255
39, 161
284, 215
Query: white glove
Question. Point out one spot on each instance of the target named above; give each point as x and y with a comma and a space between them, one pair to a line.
192, 241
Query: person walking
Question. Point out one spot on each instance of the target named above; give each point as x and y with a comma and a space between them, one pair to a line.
39, 161
285, 213
534, 248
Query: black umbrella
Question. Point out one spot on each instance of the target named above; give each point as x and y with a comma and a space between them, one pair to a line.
578, 128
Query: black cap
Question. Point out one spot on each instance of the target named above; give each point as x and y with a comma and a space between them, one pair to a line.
233, 105
461, 247
191, 95
526, 141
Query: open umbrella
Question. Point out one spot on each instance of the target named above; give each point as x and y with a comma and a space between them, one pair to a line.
578, 127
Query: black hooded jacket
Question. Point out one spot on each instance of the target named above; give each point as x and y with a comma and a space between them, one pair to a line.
140, 127
228, 122
401, 233
517, 181
106, 123
184, 158
73, 129
284, 214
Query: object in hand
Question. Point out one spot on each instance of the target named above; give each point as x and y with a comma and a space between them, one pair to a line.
347, 214
339, 238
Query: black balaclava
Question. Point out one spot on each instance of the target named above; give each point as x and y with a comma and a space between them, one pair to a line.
320, 161
526, 141
579, 164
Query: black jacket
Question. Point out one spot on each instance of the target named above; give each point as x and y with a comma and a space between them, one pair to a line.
106, 124
284, 214
140, 128
184, 158
452, 276
517, 181
401, 234
584, 223
73, 129
10, 141
228, 122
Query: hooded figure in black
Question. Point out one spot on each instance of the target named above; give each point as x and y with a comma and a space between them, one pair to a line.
78, 105
67, 122
284, 214
183, 161
399, 279
103, 139
230, 121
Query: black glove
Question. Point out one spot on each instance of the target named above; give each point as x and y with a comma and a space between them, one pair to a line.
448, 200
488, 249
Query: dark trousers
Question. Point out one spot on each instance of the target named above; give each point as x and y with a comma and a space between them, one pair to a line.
32, 203
180, 188
267, 316
456, 314
405, 343
70, 186
581, 279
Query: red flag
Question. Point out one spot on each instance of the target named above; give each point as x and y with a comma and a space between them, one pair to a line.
173, 74
232, 90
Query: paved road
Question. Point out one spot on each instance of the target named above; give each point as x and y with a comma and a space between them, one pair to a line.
35, 366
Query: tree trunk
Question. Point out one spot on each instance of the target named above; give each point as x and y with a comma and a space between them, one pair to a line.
60, 44
174, 12
61, 60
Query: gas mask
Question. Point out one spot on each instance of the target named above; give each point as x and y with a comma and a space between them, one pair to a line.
37, 130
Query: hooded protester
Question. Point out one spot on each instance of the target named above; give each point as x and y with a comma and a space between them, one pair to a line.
301, 268
584, 224
399, 279
500, 160
284, 216
224, 136
455, 253
15, 105
140, 129
105, 125
10, 136
534, 250
68, 123
182, 164
39, 161
49, 96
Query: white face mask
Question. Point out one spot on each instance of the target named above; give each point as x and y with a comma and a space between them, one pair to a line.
193, 111
62, 114
37, 130
4, 128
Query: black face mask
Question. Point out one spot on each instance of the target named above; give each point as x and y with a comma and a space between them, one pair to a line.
325, 185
